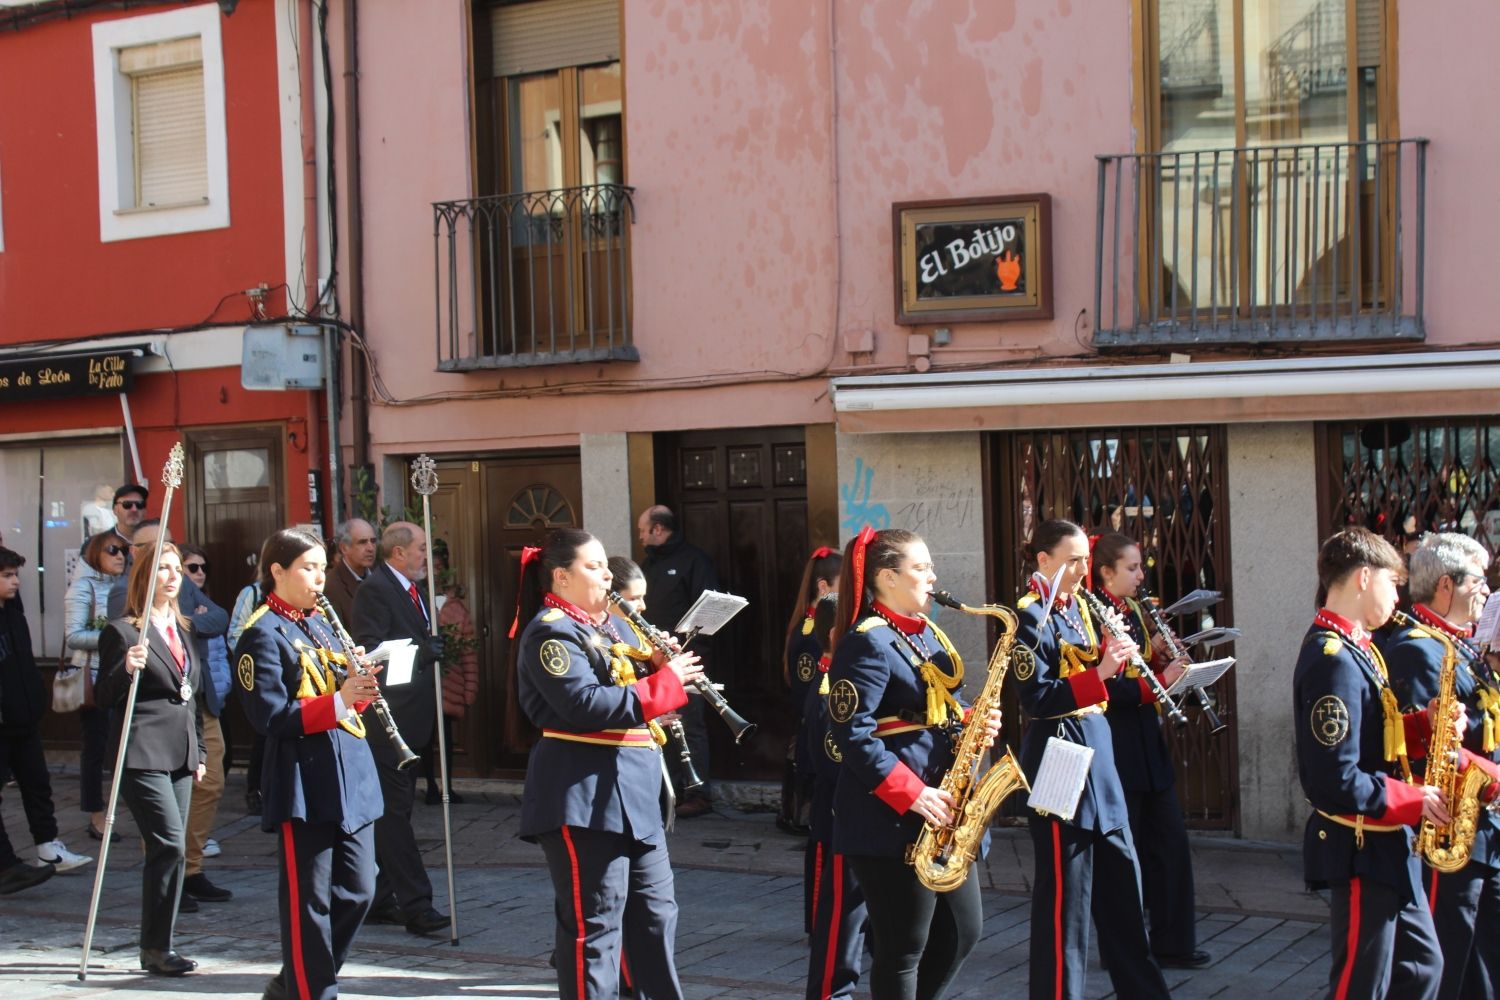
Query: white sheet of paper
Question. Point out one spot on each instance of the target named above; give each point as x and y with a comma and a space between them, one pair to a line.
710, 612
399, 656
1201, 674
1489, 622
1060, 778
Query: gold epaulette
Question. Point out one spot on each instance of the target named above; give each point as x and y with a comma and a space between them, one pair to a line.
807, 625
872, 622
255, 615
1420, 633
552, 615
1027, 601
1332, 645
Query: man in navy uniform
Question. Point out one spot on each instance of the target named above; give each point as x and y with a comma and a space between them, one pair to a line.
1448, 592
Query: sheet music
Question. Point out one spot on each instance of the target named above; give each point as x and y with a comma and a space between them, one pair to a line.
1211, 637
1196, 601
399, 656
1201, 674
1489, 622
710, 612
1060, 778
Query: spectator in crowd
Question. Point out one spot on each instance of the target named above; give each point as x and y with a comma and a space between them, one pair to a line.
129, 510
356, 544
390, 605
23, 699
460, 667
204, 806
164, 749
677, 572
85, 612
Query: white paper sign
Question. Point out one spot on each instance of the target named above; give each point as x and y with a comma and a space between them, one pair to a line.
399, 656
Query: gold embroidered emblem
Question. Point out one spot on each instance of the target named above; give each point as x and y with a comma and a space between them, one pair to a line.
843, 699
1330, 720
831, 748
805, 667
245, 671
555, 658
1022, 663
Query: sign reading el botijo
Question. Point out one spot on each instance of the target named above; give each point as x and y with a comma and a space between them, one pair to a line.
973, 259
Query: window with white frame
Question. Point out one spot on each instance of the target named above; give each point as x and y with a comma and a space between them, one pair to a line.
159, 91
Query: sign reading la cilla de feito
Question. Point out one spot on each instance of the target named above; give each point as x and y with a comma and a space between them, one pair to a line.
104, 374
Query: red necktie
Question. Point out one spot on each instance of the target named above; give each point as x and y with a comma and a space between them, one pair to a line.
175, 645
415, 599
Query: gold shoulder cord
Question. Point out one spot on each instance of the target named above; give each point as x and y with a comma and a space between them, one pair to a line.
319, 679
622, 659
1076, 659
941, 705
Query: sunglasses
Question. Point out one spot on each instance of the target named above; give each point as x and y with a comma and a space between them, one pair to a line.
196, 567
133, 504
114, 550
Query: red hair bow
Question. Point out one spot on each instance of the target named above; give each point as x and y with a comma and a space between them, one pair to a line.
857, 557
529, 554
822, 552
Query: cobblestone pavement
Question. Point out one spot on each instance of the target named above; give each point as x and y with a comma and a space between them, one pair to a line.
738, 886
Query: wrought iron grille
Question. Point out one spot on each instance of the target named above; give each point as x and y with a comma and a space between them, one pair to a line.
540, 277
1321, 241
1166, 487
1402, 477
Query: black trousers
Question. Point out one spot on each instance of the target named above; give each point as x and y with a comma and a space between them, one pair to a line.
837, 936
326, 883
919, 938
1382, 947
1166, 861
1079, 873
93, 724
402, 872
612, 891
1465, 908
159, 801
21, 755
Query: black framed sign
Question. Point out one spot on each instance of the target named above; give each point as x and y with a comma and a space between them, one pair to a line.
60, 377
973, 259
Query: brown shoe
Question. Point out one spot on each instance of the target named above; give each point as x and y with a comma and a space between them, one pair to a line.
696, 805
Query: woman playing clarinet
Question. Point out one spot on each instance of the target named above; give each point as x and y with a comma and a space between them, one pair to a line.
593, 796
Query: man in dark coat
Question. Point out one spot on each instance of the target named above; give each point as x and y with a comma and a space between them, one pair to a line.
390, 605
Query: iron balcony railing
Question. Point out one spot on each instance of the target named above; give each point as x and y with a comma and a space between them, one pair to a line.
1290, 243
536, 278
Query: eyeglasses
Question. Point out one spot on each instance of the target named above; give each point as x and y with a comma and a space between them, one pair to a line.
196, 567
133, 504
114, 550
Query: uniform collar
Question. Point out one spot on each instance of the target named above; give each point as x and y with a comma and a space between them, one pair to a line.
1120, 603
568, 608
285, 610
904, 623
823, 662
1429, 617
1344, 627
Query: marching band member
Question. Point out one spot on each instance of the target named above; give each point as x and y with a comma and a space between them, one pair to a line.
321, 795
593, 796
837, 926
1145, 766
164, 752
1351, 737
1063, 670
1448, 589
799, 671
893, 687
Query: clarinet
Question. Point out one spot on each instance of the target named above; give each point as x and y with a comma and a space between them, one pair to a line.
382, 711
691, 781
1120, 632
1215, 724
737, 724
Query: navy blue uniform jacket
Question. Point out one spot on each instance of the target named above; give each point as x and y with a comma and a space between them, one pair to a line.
802, 656
315, 769
564, 677
1050, 700
1141, 755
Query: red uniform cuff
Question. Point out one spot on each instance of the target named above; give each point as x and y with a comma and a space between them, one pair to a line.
1088, 689
660, 693
900, 788
1484, 764
317, 714
1403, 803
1418, 729
1148, 693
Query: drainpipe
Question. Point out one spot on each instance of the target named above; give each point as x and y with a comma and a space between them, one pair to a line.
359, 397
310, 215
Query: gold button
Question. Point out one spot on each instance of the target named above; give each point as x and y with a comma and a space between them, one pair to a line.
1322, 834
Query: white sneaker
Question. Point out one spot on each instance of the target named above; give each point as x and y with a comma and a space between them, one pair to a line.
211, 848
58, 856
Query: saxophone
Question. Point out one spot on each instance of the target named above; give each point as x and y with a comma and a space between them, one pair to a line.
1447, 848
942, 854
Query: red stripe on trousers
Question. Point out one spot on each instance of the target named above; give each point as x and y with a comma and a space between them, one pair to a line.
1342, 992
625, 968
294, 903
1432, 893
817, 877
833, 924
1057, 906
577, 913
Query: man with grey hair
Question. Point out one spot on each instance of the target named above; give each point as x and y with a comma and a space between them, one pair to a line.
1448, 592
355, 539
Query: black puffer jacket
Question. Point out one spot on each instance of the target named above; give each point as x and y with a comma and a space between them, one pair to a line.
23, 696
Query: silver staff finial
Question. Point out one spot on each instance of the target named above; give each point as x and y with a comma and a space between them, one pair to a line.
424, 475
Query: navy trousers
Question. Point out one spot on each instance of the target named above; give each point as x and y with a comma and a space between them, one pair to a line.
326, 883
1465, 907
1382, 947
837, 935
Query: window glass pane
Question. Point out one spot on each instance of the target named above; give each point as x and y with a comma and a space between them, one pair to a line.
536, 133
600, 125
1197, 73
1296, 71
236, 469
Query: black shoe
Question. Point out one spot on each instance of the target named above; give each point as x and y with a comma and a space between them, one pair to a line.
386, 913
200, 888
98, 834
253, 803
166, 963
23, 876
1196, 960
275, 989
427, 922
694, 805
187, 904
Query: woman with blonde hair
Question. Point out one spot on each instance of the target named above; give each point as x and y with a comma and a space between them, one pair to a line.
85, 610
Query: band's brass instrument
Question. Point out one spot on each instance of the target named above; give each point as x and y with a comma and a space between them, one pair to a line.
691, 781
404, 755
1447, 848
1175, 650
942, 855
1118, 630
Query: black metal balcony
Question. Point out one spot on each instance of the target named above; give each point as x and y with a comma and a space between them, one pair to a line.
1310, 243
536, 278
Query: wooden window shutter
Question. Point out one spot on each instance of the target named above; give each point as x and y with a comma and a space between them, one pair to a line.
1368, 49
551, 34
171, 138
